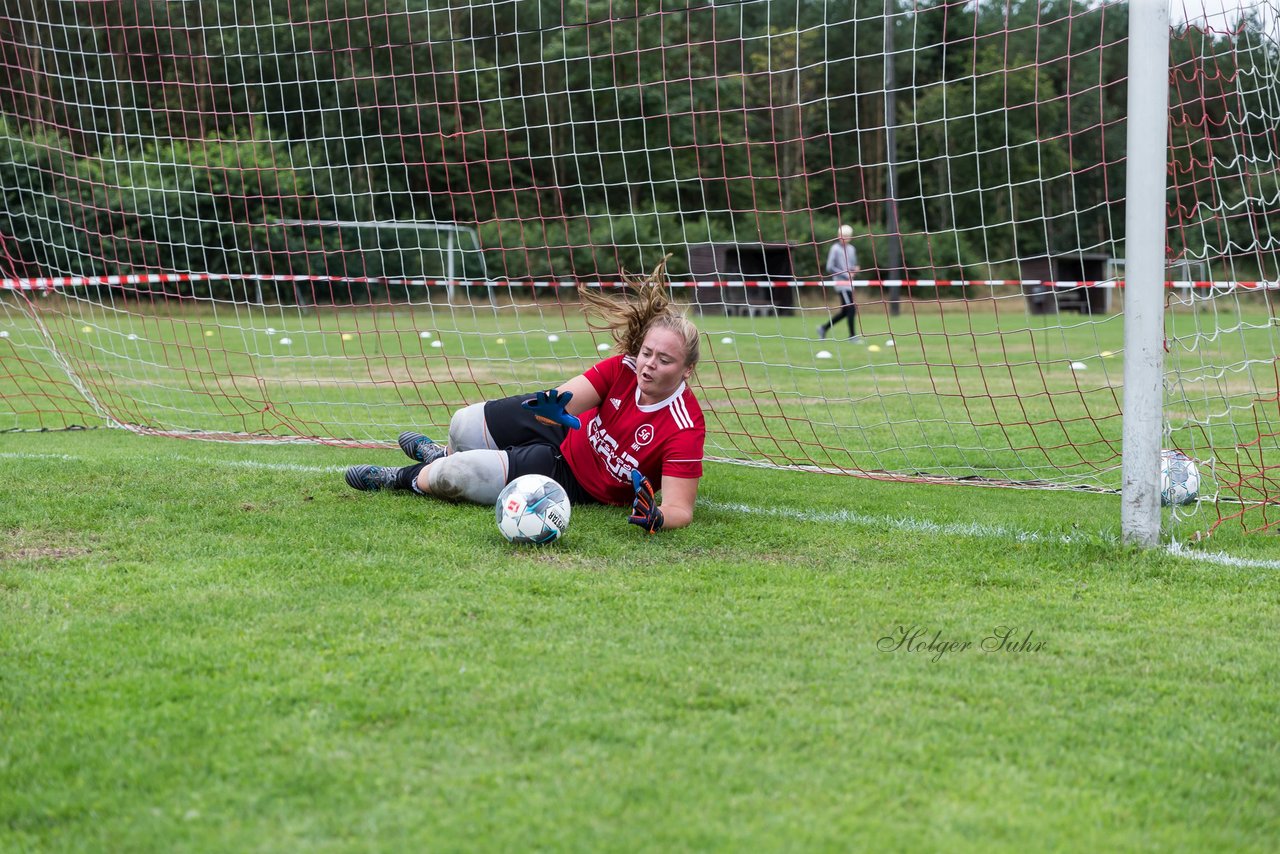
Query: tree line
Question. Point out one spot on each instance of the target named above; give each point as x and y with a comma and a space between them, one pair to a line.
582, 139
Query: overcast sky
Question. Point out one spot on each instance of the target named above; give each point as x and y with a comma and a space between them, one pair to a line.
1219, 14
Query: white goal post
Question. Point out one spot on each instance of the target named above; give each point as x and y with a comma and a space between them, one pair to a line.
1147, 134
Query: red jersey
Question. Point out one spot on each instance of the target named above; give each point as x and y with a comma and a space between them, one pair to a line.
620, 434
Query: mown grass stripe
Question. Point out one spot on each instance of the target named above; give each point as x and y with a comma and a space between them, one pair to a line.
839, 517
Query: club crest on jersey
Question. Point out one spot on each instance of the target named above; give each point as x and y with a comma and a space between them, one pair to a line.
644, 435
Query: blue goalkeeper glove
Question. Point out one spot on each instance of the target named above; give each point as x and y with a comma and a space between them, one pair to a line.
644, 510
548, 407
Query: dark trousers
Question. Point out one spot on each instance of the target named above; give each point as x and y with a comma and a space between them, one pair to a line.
532, 447
848, 311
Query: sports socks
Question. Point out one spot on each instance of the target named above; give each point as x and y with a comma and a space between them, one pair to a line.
407, 477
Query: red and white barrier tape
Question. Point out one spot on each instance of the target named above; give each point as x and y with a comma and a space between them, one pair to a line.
47, 284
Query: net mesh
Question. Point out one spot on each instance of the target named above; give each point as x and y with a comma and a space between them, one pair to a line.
333, 220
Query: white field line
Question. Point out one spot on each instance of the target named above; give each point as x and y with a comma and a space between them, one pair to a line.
839, 517
1177, 549
241, 464
289, 467
63, 457
897, 523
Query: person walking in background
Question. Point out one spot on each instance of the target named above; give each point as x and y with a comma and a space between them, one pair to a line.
842, 263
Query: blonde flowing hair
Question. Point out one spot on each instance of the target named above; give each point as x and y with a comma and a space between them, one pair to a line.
629, 320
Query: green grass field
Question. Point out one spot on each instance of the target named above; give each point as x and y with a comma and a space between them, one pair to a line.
220, 647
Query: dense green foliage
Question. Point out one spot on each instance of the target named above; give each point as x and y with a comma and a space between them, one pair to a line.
149, 135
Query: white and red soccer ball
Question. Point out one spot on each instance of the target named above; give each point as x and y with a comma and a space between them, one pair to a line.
532, 508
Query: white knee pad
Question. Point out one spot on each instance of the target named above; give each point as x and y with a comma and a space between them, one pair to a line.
477, 476
467, 431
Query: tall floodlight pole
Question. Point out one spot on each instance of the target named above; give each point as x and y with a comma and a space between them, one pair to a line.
891, 158
1146, 176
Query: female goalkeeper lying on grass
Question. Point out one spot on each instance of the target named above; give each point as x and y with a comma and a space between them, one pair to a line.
605, 435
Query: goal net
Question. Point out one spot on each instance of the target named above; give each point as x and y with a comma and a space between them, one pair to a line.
331, 221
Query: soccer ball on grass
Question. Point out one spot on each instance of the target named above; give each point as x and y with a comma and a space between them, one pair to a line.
532, 508
1179, 478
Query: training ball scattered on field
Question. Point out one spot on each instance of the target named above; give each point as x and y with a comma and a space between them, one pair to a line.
271, 330
889, 343
1106, 354
822, 354
286, 341
603, 347
4, 333
436, 344
874, 348
132, 337
499, 341
726, 340
533, 508
208, 333
1079, 366
86, 329
1179, 478
347, 336
424, 335
553, 338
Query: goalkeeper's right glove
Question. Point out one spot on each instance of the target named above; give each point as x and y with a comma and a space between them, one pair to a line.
549, 408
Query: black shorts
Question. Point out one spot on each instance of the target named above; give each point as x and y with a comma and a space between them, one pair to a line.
532, 447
